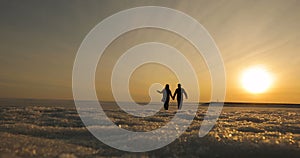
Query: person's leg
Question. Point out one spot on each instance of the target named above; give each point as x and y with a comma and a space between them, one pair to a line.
165, 105
179, 103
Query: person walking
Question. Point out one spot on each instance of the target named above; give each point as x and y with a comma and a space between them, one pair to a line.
179, 92
166, 96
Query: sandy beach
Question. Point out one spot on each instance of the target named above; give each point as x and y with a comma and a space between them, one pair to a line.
51, 129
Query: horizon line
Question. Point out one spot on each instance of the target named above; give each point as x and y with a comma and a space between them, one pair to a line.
202, 102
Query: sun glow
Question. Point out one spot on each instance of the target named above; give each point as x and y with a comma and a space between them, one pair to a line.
256, 80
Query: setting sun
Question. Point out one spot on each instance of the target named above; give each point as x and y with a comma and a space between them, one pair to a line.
256, 80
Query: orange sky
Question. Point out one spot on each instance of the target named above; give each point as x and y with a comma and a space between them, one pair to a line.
39, 42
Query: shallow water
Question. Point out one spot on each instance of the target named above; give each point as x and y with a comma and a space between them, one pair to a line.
56, 130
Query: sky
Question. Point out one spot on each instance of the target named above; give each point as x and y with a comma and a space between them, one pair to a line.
40, 39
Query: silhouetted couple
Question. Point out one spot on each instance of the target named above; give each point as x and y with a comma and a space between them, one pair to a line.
167, 94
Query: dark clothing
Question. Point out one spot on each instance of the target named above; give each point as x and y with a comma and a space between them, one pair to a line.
179, 92
167, 99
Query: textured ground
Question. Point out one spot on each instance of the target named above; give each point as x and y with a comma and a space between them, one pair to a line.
57, 131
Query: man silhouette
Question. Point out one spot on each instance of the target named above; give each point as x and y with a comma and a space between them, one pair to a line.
179, 91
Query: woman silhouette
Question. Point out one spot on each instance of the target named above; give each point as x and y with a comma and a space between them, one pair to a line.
166, 96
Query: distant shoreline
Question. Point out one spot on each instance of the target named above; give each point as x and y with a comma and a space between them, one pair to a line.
247, 104
47, 102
